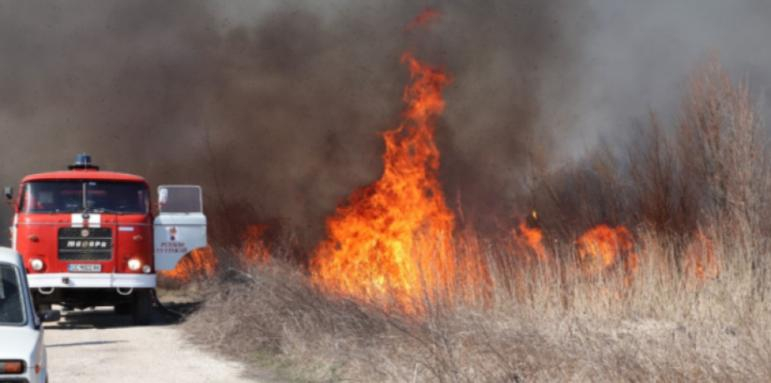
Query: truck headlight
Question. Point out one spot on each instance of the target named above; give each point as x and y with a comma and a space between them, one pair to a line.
36, 264
134, 265
147, 269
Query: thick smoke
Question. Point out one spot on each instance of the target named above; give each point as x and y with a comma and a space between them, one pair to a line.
275, 106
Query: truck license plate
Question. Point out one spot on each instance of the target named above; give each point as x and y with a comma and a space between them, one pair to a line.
80, 268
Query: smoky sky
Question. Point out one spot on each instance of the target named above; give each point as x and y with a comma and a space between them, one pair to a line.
275, 107
636, 56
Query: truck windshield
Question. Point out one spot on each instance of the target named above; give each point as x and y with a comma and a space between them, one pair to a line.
11, 303
79, 196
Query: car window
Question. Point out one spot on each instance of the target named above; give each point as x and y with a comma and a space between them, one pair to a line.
11, 302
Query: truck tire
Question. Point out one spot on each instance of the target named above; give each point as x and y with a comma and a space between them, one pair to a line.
142, 307
124, 308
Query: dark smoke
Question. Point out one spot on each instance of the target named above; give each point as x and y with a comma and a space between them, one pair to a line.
275, 106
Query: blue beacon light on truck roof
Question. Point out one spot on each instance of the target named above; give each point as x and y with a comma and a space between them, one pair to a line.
83, 162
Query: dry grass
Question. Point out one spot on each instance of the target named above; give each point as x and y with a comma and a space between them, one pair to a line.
556, 326
550, 321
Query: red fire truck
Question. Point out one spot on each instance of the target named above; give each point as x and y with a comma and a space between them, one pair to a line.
91, 237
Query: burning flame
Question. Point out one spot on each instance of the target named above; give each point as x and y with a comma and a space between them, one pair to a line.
392, 242
203, 263
428, 15
529, 236
254, 250
199, 264
700, 259
603, 248
528, 239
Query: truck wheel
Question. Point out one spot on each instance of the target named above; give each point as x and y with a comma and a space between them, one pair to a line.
142, 309
124, 308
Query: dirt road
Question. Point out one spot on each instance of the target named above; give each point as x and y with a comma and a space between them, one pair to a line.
100, 347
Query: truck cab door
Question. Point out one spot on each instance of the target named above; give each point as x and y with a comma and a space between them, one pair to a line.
180, 226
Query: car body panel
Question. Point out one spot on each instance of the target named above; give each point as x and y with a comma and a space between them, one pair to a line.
23, 342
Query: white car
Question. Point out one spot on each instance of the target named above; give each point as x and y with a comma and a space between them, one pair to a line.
22, 352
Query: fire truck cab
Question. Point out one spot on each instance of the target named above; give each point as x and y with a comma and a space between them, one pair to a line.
91, 238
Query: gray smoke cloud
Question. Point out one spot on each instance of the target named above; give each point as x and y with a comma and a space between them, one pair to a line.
275, 106
636, 56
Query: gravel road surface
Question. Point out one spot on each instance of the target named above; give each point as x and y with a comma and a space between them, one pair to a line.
100, 347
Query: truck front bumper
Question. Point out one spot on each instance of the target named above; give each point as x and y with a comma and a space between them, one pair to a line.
91, 281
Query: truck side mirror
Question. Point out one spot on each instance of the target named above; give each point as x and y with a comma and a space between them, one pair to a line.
8, 191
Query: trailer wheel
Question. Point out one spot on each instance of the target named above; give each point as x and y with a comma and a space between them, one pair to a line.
142, 307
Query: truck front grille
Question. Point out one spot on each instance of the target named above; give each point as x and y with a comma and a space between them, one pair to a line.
85, 244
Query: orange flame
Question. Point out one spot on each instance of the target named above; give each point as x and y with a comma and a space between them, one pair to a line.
392, 242
254, 250
531, 238
603, 248
202, 264
700, 259
428, 15
198, 264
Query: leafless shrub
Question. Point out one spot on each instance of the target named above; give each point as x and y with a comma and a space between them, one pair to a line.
711, 165
721, 147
